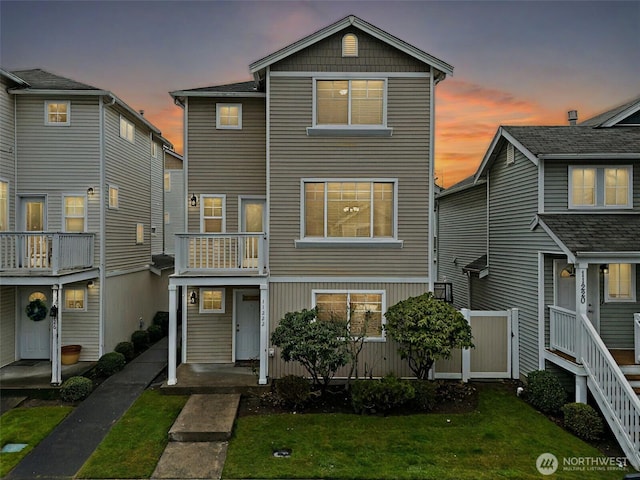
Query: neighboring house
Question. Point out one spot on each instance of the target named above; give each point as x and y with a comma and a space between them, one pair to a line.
77, 170
311, 185
550, 225
174, 199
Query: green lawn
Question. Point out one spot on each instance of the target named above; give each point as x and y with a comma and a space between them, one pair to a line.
27, 425
501, 439
134, 445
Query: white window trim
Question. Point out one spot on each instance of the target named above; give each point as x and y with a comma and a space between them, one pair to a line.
46, 113
138, 240
346, 55
383, 307
84, 301
117, 189
600, 188
166, 181
133, 129
219, 126
304, 241
154, 149
224, 211
632, 299
213, 310
64, 216
6, 209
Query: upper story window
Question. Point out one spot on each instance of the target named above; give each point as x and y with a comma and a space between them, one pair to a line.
361, 209
212, 213
114, 200
74, 213
349, 45
620, 283
350, 102
229, 115
362, 311
600, 187
127, 129
4, 206
57, 112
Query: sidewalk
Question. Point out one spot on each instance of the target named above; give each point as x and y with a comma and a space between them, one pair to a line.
67, 448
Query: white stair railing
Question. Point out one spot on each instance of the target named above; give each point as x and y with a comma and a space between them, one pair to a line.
615, 397
562, 327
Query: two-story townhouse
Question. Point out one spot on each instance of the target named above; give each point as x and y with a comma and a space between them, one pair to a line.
76, 218
552, 217
322, 167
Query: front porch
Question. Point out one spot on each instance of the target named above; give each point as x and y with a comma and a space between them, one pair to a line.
209, 378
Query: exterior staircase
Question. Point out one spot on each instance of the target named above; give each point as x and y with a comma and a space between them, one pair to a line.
632, 374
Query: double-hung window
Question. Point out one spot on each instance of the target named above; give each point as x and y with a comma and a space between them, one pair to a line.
114, 197
212, 213
74, 213
600, 187
620, 283
127, 130
57, 112
362, 311
349, 209
350, 102
4, 206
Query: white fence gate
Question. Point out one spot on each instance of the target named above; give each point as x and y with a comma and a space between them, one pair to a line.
495, 336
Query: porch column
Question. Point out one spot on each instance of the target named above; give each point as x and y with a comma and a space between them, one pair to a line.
173, 327
56, 366
264, 333
582, 303
581, 389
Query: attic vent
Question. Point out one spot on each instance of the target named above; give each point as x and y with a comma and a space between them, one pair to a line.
511, 154
349, 45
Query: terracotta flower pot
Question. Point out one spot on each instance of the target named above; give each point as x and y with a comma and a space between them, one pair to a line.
70, 354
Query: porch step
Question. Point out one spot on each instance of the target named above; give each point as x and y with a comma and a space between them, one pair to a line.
206, 418
630, 369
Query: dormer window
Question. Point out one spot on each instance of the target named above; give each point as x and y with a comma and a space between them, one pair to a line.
349, 45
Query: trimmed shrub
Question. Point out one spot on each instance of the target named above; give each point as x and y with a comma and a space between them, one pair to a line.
126, 349
583, 420
75, 389
110, 363
140, 340
155, 333
162, 319
426, 396
293, 390
372, 396
545, 392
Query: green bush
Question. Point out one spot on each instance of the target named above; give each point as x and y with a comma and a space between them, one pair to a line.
162, 319
140, 340
372, 396
583, 420
426, 396
110, 363
75, 389
293, 390
155, 333
126, 349
545, 392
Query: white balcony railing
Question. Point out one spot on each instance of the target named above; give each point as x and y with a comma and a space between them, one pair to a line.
636, 335
221, 253
562, 330
44, 252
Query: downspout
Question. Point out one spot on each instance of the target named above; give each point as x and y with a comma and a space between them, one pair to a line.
432, 268
488, 216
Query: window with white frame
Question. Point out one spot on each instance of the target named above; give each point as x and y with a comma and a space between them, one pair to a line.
75, 213
350, 45
212, 300
229, 115
600, 187
139, 233
114, 199
154, 149
127, 129
362, 311
4, 206
57, 112
167, 181
359, 209
75, 299
620, 283
350, 102
167, 218
212, 213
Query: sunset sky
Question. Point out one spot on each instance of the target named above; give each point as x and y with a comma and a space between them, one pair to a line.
516, 62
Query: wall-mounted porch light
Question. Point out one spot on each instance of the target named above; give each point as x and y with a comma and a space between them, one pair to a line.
90, 191
194, 200
193, 298
90, 284
604, 268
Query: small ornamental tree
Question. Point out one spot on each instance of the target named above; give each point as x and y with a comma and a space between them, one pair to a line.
426, 329
317, 345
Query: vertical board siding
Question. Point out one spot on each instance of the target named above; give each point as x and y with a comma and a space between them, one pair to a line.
462, 238
229, 162
295, 156
377, 358
83, 328
7, 325
7, 146
127, 167
209, 335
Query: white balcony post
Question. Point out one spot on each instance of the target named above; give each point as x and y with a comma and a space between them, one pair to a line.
173, 327
264, 333
582, 303
55, 256
56, 367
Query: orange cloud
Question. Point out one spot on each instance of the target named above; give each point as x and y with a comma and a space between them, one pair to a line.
169, 120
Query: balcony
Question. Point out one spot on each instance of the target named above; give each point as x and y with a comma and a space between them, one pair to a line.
27, 253
221, 254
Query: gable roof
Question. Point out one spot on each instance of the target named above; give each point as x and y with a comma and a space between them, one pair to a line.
614, 116
14, 78
39, 79
257, 68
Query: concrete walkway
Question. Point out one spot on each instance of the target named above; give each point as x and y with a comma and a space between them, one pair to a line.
67, 448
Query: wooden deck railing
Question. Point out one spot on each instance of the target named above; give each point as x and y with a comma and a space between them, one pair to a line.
45, 252
221, 253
